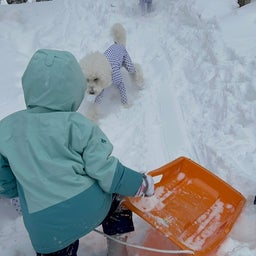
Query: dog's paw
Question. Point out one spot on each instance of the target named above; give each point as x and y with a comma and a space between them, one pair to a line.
93, 118
127, 105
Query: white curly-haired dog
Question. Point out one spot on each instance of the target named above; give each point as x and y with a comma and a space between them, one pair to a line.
104, 69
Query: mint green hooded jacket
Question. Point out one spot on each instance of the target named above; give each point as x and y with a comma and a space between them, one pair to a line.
57, 161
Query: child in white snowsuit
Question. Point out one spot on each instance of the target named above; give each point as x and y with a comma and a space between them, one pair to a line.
59, 163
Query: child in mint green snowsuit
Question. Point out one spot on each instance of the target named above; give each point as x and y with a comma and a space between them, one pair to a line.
58, 162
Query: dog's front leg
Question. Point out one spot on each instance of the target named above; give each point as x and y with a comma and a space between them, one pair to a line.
92, 109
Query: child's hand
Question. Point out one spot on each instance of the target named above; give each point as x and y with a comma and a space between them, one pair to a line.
147, 186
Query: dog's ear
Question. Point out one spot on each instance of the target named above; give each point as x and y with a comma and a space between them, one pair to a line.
97, 70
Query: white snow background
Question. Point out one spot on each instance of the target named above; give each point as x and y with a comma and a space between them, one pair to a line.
199, 99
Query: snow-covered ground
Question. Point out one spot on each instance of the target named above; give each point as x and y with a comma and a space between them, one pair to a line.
199, 100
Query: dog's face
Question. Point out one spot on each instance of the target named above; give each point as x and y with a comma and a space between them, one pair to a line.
94, 85
97, 71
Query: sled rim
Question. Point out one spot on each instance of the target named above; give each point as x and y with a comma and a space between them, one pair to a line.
211, 193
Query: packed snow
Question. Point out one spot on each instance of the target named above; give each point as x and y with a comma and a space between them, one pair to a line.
198, 101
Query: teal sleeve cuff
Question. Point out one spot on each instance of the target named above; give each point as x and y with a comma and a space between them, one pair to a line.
126, 181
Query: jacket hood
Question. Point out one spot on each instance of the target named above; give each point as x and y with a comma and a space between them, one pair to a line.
54, 80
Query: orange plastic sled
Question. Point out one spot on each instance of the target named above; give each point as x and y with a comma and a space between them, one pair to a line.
192, 207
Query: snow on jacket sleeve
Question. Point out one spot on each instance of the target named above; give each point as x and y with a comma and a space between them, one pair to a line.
8, 187
111, 175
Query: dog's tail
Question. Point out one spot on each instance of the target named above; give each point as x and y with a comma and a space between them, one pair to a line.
118, 33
